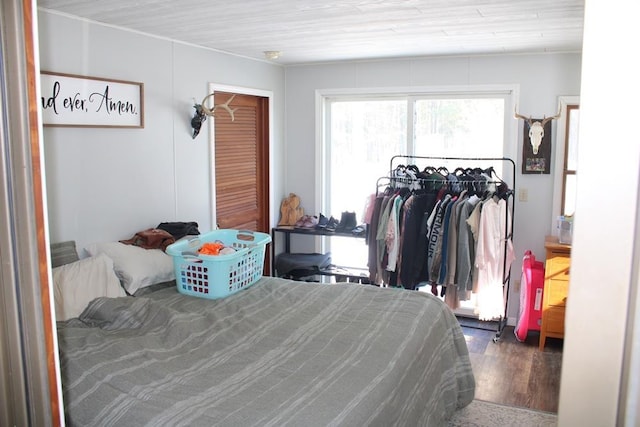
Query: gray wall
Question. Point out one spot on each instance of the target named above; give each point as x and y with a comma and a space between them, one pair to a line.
104, 184
541, 80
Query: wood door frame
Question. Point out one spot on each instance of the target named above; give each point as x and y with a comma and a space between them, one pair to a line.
30, 389
216, 87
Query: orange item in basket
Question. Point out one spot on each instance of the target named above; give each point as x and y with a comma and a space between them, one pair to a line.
211, 248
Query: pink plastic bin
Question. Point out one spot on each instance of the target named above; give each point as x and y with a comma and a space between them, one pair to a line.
531, 290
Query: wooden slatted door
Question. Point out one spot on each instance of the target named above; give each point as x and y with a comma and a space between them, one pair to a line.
242, 163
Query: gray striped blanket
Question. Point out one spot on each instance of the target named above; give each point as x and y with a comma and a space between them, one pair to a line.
280, 353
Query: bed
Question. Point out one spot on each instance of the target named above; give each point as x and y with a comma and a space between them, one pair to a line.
277, 353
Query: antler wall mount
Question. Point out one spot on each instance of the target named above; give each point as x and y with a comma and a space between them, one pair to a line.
202, 112
536, 129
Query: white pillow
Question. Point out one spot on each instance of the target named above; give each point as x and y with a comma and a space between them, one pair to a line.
75, 285
136, 267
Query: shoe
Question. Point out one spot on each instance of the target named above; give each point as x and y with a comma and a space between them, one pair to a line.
347, 222
359, 230
311, 222
300, 223
332, 224
322, 222
307, 222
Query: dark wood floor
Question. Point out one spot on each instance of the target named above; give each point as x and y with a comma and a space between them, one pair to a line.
515, 373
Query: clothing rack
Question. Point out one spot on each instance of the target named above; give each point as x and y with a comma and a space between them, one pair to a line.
506, 191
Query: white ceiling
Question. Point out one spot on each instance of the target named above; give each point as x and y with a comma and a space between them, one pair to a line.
308, 31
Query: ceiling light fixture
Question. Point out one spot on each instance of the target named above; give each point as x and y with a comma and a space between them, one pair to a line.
272, 54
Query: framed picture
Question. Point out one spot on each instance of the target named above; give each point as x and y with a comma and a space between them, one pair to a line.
540, 162
81, 101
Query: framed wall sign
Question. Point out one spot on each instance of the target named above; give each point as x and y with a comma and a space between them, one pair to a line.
81, 101
538, 162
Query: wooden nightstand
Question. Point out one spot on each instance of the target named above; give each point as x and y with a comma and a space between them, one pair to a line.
556, 288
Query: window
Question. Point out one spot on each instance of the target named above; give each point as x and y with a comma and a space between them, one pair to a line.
570, 161
363, 133
363, 136
459, 127
565, 159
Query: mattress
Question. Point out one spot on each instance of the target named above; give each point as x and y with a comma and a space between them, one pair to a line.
278, 353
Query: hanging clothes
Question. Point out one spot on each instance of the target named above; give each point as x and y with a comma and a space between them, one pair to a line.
411, 268
443, 229
392, 238
494, 251
466, 250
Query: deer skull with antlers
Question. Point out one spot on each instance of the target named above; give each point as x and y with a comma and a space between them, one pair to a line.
536, 129
202, 112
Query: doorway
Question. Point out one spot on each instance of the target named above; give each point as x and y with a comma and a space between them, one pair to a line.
241, 163
241, 153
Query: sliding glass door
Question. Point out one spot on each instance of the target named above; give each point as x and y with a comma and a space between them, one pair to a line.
362, 134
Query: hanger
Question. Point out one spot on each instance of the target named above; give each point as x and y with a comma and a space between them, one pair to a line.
414, 169
459, 171
429, 170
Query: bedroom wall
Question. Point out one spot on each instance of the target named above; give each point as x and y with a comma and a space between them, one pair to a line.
104, 184
541, 80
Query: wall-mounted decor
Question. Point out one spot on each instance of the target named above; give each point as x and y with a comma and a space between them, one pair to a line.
202, 111
81, 101
536, 147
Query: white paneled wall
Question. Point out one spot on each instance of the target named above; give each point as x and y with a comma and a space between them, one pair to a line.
104, 184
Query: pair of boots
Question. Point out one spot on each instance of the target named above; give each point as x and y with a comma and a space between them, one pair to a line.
347, 222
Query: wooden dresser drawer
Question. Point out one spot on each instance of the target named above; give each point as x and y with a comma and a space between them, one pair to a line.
557, 268
553, 319
556, 292
556, 289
